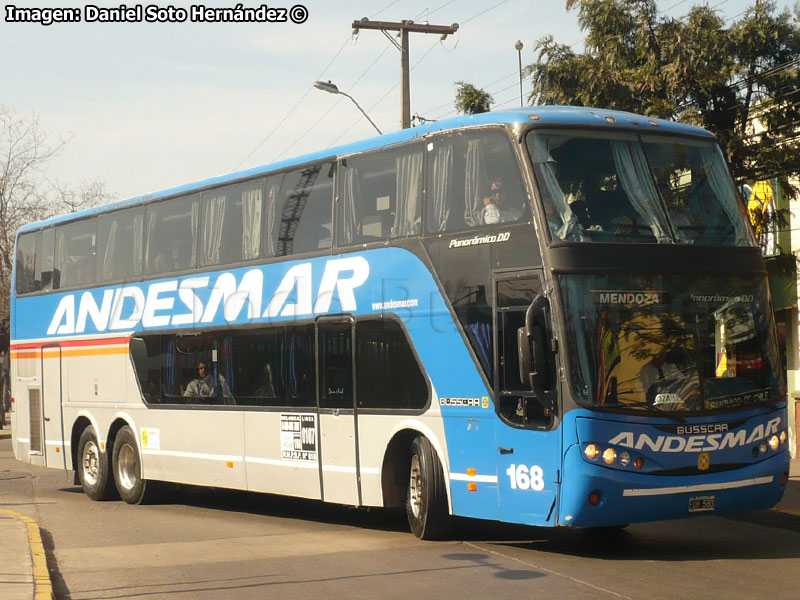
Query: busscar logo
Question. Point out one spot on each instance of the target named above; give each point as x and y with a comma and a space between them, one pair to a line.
474, 402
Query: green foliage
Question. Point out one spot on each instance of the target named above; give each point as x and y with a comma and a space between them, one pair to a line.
740, 80
471, 100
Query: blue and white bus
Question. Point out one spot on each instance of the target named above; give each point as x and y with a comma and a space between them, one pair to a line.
550, 316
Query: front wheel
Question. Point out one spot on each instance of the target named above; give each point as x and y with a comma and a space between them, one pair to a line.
93, 467
128, 470
426, 499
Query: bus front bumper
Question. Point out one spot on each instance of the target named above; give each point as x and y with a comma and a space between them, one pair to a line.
595, 496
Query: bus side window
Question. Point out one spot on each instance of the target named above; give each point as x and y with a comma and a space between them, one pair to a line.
230, 223
381, 195
75, 252
388, 374
119, 245
26, 262
306, 210
466, 174
171, 234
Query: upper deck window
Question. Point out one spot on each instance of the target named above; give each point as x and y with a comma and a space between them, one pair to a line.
473, 180
600, 187
171, 229
75, 253
381, 195
230, 223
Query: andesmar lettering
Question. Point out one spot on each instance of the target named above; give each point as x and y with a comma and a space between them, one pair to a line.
177, 303
705, 442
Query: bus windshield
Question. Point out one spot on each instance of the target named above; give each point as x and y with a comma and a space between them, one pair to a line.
625, 188
686, 343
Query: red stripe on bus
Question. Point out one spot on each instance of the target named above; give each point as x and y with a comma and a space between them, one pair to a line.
69, 343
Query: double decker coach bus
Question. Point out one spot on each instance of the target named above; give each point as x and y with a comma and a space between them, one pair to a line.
548, 316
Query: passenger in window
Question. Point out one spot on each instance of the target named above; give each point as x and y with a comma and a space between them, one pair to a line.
497, 208
206, 385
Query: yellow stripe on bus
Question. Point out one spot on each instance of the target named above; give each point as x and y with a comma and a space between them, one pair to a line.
53, 353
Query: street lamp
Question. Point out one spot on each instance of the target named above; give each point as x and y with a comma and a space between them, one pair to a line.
519, 47
327, 86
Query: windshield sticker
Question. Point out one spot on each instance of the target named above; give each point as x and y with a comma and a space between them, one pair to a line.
480, 239
757, 396
722, 299
630, 297
299, 437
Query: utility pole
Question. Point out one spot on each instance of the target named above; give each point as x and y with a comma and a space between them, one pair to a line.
404, 28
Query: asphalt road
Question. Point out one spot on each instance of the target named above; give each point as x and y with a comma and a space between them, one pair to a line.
221, 544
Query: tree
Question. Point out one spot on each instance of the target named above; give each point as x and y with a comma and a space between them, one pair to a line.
739, 80
26, 195
471, 100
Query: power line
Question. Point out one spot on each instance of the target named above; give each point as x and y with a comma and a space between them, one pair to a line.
291, 110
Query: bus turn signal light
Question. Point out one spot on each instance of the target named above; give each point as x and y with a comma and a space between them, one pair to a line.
638, 462
784, 479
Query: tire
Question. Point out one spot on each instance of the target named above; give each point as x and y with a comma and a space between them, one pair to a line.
93, 467
128, 470
426, 497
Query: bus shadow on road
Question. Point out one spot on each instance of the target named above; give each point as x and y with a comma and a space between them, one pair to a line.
709, 538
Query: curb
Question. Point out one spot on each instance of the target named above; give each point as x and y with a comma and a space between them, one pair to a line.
42, 586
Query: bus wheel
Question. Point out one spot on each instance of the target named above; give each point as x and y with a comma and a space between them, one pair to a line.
93, 467
426, 499
128, 469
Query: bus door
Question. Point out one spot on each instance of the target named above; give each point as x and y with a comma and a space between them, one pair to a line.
51, 407
528, 446
336, 409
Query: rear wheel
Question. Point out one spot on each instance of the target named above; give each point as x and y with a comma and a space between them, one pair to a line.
426, 498
93, 467
128, 470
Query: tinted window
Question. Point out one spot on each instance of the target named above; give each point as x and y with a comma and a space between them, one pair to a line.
254, 366
26, 263
171, 230
304, 213
119, 245
388, 373
44, 260
75, 253
335, 365
301, 366
473, 180
230, 223
381, 195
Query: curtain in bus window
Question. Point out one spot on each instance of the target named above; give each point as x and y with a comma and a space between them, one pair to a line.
438, 187
107, 268
476, 186
169, 372
138, 242
270, 220
635, 178
481, 334
195, 226
407, 219
720, 182
543, 163
251, 222
228, 360
351, 198
213, 222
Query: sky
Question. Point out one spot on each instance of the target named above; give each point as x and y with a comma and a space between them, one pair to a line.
150, 106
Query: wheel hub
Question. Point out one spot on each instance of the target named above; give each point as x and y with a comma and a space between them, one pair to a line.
415, 486
127, 467
91, 463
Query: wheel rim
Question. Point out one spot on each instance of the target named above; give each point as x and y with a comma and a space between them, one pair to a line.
127, 467
415, 487
91, 463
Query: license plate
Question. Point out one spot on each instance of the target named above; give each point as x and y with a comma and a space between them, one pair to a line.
701, 503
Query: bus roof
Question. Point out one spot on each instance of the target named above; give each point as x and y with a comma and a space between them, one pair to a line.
569, 116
